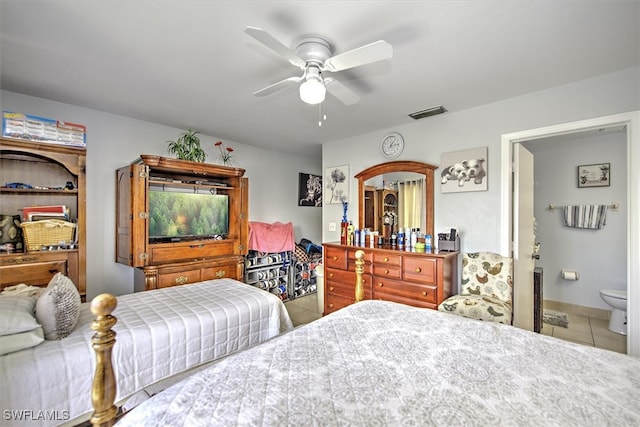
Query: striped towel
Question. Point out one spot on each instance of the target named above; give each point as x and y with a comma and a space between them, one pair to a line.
585, 216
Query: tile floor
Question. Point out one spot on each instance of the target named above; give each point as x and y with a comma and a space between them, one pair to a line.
303, 309
583, 329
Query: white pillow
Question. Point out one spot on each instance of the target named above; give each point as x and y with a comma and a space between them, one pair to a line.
21, 341
58, 308
17, 314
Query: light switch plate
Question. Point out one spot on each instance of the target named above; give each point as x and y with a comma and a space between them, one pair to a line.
332, 226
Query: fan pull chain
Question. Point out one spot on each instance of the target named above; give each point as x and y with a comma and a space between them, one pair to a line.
322, 115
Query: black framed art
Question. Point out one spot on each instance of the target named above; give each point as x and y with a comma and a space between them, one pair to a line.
309, 190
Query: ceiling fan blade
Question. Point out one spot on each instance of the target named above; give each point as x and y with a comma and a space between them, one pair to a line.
340, 91
277, 86
272, 43
372, 52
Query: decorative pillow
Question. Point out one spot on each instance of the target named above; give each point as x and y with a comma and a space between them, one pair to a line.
58, 308
10, 231
17, 314
21, 341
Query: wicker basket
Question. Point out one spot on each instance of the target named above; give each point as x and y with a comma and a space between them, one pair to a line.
46, 233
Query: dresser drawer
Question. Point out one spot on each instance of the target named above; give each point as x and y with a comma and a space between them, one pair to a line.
34, 274
335, 258
404, 300
412, 291
347, 278
218, 272
166, 280
351, 259
333, 303
386, 271
420, 269
37, 268
349, 290
164, 253
387, 259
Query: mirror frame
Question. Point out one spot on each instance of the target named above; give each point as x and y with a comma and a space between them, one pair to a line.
400, 166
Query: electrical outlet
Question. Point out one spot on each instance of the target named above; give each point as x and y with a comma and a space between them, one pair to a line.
332, 226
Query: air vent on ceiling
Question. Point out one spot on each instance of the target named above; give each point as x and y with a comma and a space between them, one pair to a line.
428, 112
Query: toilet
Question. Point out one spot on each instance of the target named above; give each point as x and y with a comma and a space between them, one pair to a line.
617, 299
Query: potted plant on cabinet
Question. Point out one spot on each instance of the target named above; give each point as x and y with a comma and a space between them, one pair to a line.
187, 147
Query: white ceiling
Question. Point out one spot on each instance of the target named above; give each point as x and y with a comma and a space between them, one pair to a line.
189, 64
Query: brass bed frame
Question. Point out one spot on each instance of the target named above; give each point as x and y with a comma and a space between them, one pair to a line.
103, 391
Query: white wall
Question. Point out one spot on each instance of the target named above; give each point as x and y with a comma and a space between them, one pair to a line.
478, 214
599, 256
114, 141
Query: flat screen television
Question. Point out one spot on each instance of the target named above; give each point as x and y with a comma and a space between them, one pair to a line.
180, 214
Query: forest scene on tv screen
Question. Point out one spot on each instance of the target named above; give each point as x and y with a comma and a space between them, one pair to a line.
187, 214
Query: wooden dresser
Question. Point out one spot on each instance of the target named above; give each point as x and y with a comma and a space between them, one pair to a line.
420, 279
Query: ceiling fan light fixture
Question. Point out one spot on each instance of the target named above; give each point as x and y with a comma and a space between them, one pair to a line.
312, 90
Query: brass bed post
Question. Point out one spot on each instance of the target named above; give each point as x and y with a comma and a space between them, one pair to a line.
359, 272
103, 391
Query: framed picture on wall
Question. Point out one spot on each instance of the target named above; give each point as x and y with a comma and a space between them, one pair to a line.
464, 170
336, 184
597, 175
309, 190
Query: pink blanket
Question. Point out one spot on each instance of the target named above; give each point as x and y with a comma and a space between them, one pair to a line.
276, 237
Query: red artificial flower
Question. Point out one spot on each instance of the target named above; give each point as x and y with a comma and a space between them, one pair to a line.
217, 144
229, 149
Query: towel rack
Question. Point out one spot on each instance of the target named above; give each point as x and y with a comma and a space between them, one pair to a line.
615, 206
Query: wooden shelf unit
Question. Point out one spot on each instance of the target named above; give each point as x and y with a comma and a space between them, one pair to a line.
42, 164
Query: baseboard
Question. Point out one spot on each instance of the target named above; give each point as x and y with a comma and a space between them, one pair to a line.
580, 310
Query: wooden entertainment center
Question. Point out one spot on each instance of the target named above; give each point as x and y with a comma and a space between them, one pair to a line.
174, 261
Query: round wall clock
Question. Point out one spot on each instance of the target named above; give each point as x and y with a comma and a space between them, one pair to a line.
392, 145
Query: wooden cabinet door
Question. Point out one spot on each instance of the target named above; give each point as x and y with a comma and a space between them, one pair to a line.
132, 209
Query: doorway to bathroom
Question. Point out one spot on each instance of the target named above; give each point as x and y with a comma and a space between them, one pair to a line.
577, 262
628, 215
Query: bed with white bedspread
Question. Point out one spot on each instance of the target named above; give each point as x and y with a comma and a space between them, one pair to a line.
160, 333
383, 363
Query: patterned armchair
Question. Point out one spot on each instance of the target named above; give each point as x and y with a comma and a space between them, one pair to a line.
487, 288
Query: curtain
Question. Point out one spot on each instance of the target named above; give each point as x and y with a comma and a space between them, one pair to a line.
411, 203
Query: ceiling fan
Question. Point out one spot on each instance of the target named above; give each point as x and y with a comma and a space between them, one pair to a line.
313, 55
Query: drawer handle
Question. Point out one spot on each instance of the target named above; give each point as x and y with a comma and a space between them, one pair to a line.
53, 270
201, 245
331, 288
424, 293
386, 259
220, 273
181, 280
386, 271
335, 258
380, 284
330, 305
330, 274
418, 269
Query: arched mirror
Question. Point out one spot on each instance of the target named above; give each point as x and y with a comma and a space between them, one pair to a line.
396, 194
